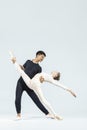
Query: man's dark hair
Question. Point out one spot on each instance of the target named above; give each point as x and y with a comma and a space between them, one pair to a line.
40, 53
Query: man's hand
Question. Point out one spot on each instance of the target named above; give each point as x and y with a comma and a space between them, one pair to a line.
41, 79
22, 67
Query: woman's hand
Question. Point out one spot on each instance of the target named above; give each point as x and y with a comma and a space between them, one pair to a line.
69, 90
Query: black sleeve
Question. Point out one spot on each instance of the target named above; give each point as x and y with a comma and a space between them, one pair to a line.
40, 69
24, 65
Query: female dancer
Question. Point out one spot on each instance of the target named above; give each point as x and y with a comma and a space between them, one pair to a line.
35, 84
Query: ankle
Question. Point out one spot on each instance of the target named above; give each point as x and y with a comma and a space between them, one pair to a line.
18, 115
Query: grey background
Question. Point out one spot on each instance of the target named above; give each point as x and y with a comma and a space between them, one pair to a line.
60, 29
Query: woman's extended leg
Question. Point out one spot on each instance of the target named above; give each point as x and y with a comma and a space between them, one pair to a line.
25, 77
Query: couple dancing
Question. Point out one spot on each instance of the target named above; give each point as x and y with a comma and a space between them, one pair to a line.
31, 80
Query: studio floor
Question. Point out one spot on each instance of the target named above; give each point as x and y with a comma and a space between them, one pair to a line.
42, 123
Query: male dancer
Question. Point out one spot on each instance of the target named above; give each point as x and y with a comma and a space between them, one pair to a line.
31, 68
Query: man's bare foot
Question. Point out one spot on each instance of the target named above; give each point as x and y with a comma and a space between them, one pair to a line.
18, 117
50, 116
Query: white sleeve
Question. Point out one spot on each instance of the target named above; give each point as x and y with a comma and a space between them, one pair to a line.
56, 83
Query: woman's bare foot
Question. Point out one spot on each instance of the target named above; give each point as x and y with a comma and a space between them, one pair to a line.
54, 117
13, 59
58, 117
